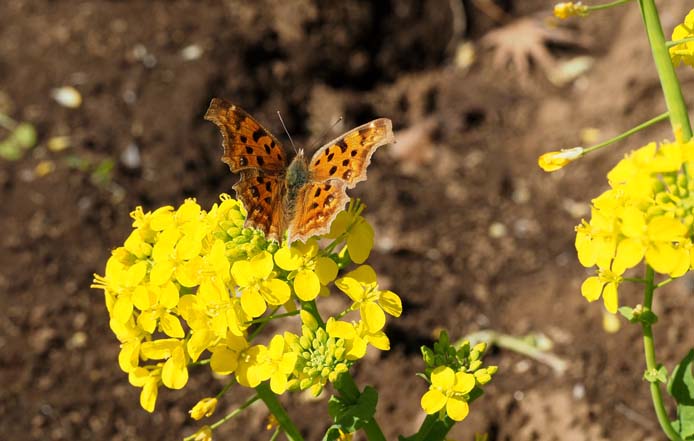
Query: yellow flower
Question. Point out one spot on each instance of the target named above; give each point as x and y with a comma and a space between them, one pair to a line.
278, 363
174, 372
570, 9
203, 434
203, 409
227, 353
448, 390
360, 235
605, 284
683, 52
362, 287
148, 379
553, 161
308, 271
357, 337
258, 285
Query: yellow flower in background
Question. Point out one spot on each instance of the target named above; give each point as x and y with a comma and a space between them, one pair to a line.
570, 9
308, 270
448, 390
684, 52
553, 161
362, 287
203, 434
257, 284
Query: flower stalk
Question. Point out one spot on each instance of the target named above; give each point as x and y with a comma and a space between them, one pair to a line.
679, 120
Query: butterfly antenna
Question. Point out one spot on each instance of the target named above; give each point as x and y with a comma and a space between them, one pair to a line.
318, 140
287, 131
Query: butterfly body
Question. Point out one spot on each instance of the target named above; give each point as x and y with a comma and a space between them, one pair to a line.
299, 196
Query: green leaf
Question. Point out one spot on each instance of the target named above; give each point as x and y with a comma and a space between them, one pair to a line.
658, 375
351, 417
681, 387
627, 312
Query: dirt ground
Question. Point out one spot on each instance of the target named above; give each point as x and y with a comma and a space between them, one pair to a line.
469, 232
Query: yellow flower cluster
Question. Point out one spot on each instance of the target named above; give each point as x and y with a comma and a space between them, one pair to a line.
570, 9
454, 376
683, 52
647, 214
189, 282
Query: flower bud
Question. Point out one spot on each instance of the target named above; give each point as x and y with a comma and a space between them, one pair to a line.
204, 408
553, 161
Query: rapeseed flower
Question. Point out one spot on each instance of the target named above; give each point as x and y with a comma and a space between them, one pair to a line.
362, 288
308, 270
683, 52
448, 390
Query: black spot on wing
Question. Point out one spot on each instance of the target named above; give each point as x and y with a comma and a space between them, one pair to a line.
342, 144
257, 134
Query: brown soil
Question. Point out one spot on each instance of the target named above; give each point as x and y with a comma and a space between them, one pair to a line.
469, 139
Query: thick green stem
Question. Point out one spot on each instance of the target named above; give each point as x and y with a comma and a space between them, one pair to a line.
679, 118
649, 350
274, 406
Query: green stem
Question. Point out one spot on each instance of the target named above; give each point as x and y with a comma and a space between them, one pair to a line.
226, 388
228, 416
273, 317
649, 350
670, 44
273, 404
679, 118
607, 5
650, 122
665, 282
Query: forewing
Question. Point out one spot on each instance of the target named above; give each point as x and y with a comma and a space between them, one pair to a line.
347, 157
246, 143
262, 197
316, 206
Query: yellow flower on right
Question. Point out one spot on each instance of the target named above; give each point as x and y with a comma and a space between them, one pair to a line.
683, 52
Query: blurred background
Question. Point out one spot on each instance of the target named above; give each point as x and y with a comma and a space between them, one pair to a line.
101, 107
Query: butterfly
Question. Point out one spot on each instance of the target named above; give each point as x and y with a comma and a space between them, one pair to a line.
293, 194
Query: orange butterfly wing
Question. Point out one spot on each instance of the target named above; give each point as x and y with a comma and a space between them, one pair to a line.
246, 143
335, 167
263, 198
317, 205
251, 150
347, 157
